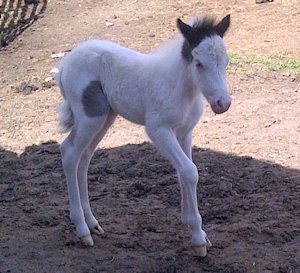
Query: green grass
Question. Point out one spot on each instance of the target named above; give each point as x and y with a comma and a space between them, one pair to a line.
234, 58
284, 61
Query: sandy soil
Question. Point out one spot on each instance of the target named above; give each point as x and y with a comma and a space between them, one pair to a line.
248, 158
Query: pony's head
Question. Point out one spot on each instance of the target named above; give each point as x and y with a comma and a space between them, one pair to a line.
205, 52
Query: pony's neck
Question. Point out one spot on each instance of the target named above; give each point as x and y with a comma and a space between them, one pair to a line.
176, 67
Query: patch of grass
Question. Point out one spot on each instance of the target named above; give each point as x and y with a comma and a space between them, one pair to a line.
290, 65
285, 61
234, 58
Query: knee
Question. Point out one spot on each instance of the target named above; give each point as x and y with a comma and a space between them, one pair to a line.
67, 144
67, 154
189, 174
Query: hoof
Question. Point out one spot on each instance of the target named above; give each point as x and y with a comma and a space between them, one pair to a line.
87, 240
201, 251
97, 230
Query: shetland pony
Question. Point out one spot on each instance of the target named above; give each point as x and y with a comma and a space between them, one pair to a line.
162, 91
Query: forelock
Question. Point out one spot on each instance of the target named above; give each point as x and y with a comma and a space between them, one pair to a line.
202, 27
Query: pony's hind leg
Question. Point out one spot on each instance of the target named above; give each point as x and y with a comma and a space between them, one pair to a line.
85, 159
72, 148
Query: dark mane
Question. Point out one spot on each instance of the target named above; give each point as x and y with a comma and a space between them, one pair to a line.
202, 27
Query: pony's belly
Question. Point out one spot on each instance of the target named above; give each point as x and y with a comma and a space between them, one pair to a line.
133, 113
133, 117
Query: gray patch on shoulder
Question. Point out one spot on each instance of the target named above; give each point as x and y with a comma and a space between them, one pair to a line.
94, 101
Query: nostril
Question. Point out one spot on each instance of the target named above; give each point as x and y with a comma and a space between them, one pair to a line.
223, 104
220, 103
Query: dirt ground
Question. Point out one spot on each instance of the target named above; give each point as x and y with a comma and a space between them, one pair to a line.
248, 158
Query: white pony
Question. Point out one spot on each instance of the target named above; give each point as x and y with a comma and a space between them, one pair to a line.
163, 91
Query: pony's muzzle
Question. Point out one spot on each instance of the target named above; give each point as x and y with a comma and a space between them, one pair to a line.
220, 105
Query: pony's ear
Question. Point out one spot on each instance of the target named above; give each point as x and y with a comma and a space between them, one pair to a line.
222, 27
186, 30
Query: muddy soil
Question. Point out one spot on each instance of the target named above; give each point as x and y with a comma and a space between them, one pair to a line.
248, 158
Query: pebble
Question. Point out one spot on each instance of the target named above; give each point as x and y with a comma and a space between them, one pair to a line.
48, 79
58, 55
109, 24
48, 82
56, 175
54, 70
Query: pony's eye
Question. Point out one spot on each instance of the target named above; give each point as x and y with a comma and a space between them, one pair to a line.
199, 65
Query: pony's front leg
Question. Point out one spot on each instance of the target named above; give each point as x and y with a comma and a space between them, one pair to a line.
189, 203
186, 145
167, 143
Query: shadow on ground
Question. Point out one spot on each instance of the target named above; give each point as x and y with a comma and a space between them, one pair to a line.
249, 209
18, 15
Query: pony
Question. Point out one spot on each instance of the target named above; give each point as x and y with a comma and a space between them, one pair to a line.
163, 91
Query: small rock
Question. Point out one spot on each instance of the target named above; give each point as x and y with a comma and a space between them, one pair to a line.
58, 55
48, 82
246, 207
109, 24
56, 175
54, 70
48, 79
